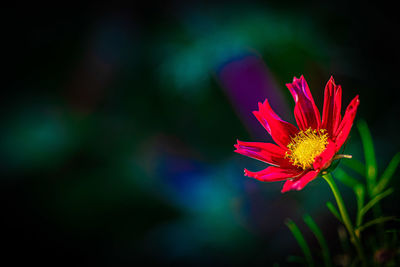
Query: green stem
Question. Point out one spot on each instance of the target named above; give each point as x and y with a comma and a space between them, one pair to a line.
345, 217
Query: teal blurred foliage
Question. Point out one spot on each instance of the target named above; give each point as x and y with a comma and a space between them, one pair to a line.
117, 133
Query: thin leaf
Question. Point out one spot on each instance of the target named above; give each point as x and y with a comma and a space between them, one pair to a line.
360, 192
376, 221
320, 237
346, 179
334, 211
387, 174
355, 165
392, 231
375, 200
301, 241
369, 154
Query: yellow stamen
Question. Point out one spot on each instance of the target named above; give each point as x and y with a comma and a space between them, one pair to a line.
305, 146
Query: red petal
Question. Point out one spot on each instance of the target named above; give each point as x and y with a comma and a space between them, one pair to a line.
345, 126
305, 111
273, 174
299, 183
332, 107
280, 130
338, 109
322, 161
267, 152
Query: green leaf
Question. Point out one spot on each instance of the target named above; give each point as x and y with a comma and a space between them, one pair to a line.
375, 200
387, 174
346, 179
320, 237
355, 165
392, 231
369, 154
301, 241
360, 192
334, 211
376, 221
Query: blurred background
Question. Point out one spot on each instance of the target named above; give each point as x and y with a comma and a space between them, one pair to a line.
118, 125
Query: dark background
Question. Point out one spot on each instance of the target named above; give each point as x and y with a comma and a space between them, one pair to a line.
118, 124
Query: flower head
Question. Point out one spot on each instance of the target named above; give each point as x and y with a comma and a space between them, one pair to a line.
300, 154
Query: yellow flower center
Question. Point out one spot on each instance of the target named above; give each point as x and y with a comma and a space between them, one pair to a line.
305, 146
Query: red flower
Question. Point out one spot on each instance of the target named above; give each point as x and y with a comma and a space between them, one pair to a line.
301, 154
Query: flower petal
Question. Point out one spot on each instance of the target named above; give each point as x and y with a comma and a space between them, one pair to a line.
267, 152
300, 182
322, 161
305, 111
280, 130
344, 128
332, 107
273, 174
